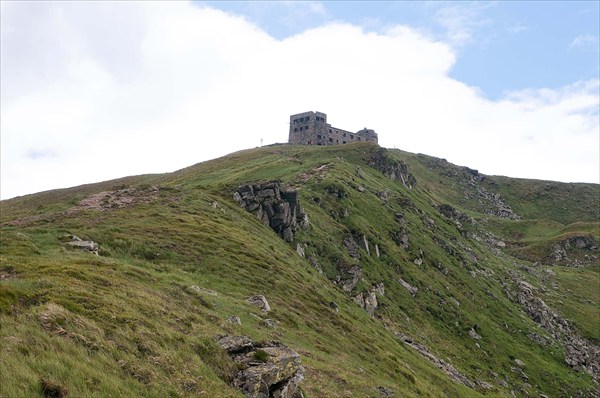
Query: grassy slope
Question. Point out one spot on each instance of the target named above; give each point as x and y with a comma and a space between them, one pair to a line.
134, 325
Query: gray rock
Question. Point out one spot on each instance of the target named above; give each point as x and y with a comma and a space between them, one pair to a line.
385, 392
437, 362
364, 243
260, 301
379, 289
270, 323
519, 363
351, 276
352, 247
580, 354
275, 373
315, 263
300, 250
203, 290
412, 290
391, 168
88, 245
275, 205
474, 334
368, 300
401, 238
234, 344
384, 195
235, 320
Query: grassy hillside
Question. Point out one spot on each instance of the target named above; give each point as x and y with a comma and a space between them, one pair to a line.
178, 256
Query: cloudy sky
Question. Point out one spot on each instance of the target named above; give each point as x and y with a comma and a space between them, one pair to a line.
98, 90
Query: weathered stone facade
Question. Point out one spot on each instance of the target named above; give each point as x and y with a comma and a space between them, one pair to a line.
311, 128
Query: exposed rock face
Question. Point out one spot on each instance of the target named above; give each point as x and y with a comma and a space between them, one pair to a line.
401, 238
260, 301
579, 353
575, 251
394, 170
368, 300
75, 241
275, 206
270, 370
350, 277
471, 183
352, 247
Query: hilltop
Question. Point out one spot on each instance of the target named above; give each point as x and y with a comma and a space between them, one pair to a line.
385, 273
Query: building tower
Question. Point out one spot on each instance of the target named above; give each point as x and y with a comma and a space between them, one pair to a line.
311, 128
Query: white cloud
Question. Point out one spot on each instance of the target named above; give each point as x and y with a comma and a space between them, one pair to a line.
585, 42
519, 28
461, 21
92, 91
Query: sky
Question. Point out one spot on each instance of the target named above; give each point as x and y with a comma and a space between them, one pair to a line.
92, 91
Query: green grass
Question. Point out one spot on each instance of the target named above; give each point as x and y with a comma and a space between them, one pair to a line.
141, 318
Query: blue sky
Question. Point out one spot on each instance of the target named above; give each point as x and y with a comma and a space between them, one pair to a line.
91, 91
502, 46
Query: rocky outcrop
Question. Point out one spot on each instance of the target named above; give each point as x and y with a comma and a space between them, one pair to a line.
391, 168
260, 301
368, 300
400, 238
575, 251
472, 185
75, 241
275, 205
439, 363
579, 353
269, 370
352, 247
350, 277
411, 289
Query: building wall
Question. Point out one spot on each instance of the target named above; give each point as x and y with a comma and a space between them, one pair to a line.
311, 128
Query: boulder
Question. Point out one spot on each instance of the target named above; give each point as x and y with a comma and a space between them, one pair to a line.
260, 301
474, 334
368, 300
88, 245
300, 250
412, 290
269, 370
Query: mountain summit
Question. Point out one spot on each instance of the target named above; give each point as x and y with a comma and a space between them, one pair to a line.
303, 271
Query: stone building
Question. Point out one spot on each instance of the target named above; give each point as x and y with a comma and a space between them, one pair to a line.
311, 128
